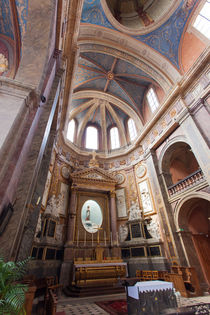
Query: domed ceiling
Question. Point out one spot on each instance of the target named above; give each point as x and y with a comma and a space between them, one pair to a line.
107, 92
137, 14
108, 88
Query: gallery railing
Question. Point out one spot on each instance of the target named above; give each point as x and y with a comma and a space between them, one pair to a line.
186, 183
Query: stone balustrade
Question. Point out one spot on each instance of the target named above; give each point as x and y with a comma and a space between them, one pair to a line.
186, 183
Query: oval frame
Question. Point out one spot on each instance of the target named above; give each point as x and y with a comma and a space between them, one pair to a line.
91, 216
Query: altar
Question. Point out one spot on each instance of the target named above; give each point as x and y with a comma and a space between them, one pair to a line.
150, 297
104, 273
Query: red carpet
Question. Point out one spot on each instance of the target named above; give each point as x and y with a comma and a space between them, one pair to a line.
60, 313
118, 307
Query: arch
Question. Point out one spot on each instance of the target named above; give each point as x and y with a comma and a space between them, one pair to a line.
190, 197
109, 98
131, 50
166, 148
177, 162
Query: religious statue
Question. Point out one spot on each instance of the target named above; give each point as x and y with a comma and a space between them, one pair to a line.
134, 212
87, 214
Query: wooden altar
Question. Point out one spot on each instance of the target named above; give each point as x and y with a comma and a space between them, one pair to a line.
98, 272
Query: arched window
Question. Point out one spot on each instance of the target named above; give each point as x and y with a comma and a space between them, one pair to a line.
152, 100
202, 22
114, 135
132, 129
91, 138
71, 130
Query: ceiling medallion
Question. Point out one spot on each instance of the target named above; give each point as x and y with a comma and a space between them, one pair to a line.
110, 75
141, 171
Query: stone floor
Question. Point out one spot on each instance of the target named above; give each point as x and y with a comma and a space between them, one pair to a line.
86, 306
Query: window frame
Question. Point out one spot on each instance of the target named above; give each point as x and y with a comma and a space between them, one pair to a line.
97, 137
118, 135
133, 129
156, 104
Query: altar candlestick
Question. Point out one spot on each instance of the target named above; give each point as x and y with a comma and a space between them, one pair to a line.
92, 239
105, 238
111, 237
117, 239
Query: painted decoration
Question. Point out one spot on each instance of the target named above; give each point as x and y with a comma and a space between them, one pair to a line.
146, 197
120, 178
121, 204
140, 171
91, 215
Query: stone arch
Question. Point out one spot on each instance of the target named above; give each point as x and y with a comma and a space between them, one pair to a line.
179, 207
192, 215
131, 50
166, 154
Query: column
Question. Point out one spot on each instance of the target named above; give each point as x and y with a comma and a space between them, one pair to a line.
72, 217
113, 216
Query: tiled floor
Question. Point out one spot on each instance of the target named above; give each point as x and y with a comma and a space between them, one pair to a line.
86, 306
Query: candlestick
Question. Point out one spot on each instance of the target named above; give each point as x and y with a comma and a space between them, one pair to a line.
92, 239
111, 237
117, 239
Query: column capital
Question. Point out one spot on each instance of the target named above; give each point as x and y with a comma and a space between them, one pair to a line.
112, 193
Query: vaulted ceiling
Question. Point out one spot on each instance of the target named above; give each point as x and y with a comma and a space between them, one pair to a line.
109, 88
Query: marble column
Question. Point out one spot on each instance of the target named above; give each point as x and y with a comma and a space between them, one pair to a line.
113, 217
71, 217
66, 273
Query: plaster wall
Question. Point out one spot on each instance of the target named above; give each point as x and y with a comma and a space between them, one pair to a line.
192, 48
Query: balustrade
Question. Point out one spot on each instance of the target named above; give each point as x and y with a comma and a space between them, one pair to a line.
186, 183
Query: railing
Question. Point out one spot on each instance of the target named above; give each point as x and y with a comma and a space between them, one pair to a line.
186, 183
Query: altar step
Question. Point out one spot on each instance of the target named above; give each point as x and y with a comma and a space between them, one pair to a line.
75, 291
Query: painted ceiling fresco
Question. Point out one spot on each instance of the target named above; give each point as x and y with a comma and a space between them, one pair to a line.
165, 39
6, 17
102, 72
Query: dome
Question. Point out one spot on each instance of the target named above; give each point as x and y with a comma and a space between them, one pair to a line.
108, 92
138, 16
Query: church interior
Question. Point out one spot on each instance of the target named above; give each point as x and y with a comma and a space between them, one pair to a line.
104, 141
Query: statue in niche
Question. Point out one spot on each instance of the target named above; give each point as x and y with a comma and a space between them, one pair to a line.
135, 213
